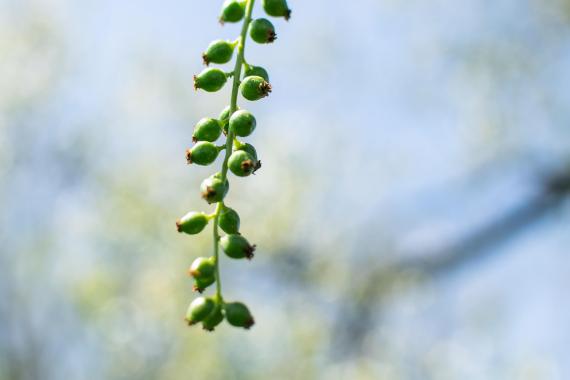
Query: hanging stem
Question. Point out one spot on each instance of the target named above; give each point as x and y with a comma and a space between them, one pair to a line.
230, 137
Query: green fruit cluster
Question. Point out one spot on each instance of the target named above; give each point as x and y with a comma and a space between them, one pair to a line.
240, 158
211, 312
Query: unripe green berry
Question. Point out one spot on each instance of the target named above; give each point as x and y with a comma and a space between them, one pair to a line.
202, 283
229, 221
243, 123
207, 129
215, 318
225, 114
241, 163
203, 267
219, 51
213, 189
249, 149
262, 31
203, 153
277, 8
225, 118
254, 88
256, 71
238, 315
210, 80
192, 223
252, 152
199, 309
232, 11
237, 247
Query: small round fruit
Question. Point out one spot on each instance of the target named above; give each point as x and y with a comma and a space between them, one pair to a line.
232, 11
242, 123
256, 71
229, 221
210, 80
203, 153
207, 129
277, 8
253, 153
238, 315
241, 163
224, 118
213, 189
214, 319
202, 267
199, 309
254, 88
249, 149
262, 31
225, 114
237, 247
219, 51
192, 223
202, 283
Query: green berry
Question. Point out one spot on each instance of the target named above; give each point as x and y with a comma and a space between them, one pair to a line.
219, 51
215, 318
224, 118
262, 31
232, 11
229, 221
241, 163
192, 223
202, 283
199, 309
207, 129
252, 152
249, 149
254, 88
256, 71
242, 123
203, 153
213, 189
277, 8
225, 114
203, 267
238, 315
237, 247
210, 80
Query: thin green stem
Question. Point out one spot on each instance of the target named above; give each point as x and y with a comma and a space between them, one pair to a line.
230, 137
217, 253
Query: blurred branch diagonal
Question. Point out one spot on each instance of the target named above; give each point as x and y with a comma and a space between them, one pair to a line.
554, 190
479, 244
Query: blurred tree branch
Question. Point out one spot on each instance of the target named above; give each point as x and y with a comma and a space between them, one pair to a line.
358, 314
553, 191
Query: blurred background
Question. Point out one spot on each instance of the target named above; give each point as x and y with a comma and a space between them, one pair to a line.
411, 214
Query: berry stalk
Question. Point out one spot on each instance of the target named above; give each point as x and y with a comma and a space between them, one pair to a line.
239, 157
231, 135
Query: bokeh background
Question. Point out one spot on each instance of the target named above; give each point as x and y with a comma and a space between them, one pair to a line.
410, 216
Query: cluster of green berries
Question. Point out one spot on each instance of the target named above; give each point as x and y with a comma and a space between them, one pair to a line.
234, 10
211, 312
240, 158
253, 86
243, 160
